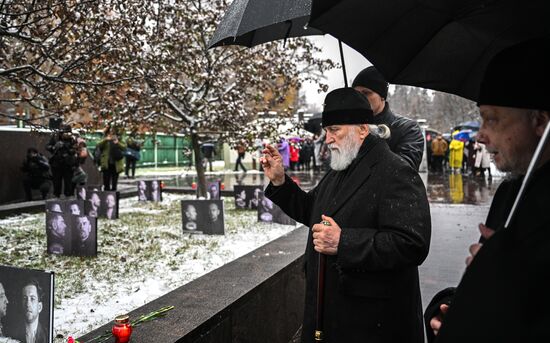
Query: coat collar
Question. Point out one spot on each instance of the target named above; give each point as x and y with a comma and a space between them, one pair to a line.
356, 174
384, 117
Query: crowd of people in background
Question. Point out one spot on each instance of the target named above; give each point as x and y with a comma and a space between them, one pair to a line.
63, 170
461, 155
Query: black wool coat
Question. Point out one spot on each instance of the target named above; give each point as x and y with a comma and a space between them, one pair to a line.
406, 138
503, 295
372, 292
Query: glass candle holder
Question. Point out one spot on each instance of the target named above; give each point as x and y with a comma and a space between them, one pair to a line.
122, 330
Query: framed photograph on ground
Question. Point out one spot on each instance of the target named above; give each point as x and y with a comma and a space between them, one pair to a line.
149, 190
30, 302
203, 216
67, 234
83, 236
102, 204
72, 206
213, 190
247, 196
268, 212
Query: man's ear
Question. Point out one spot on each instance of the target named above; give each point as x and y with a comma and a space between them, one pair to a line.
363, 131
540, 121
39, 306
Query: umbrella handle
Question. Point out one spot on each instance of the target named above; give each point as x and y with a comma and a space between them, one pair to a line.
320, 293
343, 63
534, 161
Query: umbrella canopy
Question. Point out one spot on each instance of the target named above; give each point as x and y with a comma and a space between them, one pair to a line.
464, 135
443, 45
313, 124
472, 125
252, 22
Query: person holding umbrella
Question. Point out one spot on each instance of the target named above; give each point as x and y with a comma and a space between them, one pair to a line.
370, 228
406, 138
502, 294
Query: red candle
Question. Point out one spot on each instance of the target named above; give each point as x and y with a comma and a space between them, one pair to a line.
122, 329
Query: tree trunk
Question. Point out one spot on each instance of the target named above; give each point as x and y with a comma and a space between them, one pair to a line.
201, 179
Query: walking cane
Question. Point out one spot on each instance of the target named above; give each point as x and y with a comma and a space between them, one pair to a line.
320, 293
534, 161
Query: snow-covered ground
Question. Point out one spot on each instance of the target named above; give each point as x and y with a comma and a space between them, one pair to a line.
141, 256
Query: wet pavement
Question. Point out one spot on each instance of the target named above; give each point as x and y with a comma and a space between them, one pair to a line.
441, 188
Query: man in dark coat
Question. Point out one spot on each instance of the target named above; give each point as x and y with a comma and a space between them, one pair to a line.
62, 146
502, 294
406, 138
375, 231
38, 176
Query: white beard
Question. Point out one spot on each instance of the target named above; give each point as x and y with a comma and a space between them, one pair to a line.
341, 157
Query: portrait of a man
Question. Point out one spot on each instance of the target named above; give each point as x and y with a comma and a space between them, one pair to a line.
84, 236
54, 206
214, 224
110, 205
213, 190
156, 194
268, 212
142, 190
81, 193
189, 217
247, 196
92, 204
26, 305
203, 216
57, 234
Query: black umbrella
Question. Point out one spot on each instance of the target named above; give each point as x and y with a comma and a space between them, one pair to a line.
443, 45
252, 22
313, 124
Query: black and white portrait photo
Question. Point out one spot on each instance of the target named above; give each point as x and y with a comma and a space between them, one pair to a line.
72, 206
26, 305
68, 234
102, 204
149, 190
93, 202
247, 196
203, 216
142, 190
84, 236
58, 233
155, 191
109, 205
268, 212
213, 190
81, 192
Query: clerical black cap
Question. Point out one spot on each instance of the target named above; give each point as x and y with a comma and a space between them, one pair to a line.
346, 106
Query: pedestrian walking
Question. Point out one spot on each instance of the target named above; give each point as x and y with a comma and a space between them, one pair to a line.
241, 151
439, 149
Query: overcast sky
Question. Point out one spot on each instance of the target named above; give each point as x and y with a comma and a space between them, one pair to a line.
355, 62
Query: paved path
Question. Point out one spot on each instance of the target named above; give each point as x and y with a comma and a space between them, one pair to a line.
454, 228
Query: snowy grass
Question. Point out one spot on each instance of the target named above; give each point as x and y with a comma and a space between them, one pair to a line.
142, 256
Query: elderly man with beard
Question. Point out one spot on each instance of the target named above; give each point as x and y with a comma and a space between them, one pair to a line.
370, 216
503, 295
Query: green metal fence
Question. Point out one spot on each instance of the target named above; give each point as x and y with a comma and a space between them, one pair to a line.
157, 150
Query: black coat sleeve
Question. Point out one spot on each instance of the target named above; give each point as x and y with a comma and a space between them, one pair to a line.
410, 145
295, 202
402, 238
